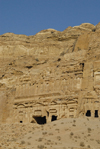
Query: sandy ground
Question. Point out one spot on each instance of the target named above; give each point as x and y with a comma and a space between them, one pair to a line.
67, 133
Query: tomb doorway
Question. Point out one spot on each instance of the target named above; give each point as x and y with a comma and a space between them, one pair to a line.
54, 118
96, 113
40, 120
88, 113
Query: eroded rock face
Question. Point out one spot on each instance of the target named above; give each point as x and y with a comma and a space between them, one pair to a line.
50, 75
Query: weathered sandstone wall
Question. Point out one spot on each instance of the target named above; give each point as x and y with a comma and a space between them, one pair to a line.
50, 75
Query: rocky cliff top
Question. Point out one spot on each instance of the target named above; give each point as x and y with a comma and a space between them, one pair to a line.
23, 55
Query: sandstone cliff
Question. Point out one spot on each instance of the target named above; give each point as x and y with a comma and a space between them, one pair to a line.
50, 75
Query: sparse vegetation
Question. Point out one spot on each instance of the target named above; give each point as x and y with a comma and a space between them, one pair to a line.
50, 134
44, 133
41, 146
71, 134
98, 141
40, 139
74, 125
57, 130
74, 121
89, 130
88, 146
75, 137
29, 143
29, 137
62, 122
82, 144
22, 142
59, 138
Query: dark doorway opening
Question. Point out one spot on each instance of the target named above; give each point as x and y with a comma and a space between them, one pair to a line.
21, 121
40, 120
54, 118
96, 113
88, 113
82, 66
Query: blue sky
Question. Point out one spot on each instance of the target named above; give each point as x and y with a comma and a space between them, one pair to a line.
31, 16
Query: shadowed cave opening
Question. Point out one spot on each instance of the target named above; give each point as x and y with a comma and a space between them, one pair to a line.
82, 65
96, 113
29, 67
88, 113
40, 120
54, 118
21, 121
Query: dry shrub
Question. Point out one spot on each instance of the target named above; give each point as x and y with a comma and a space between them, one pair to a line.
82, 144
